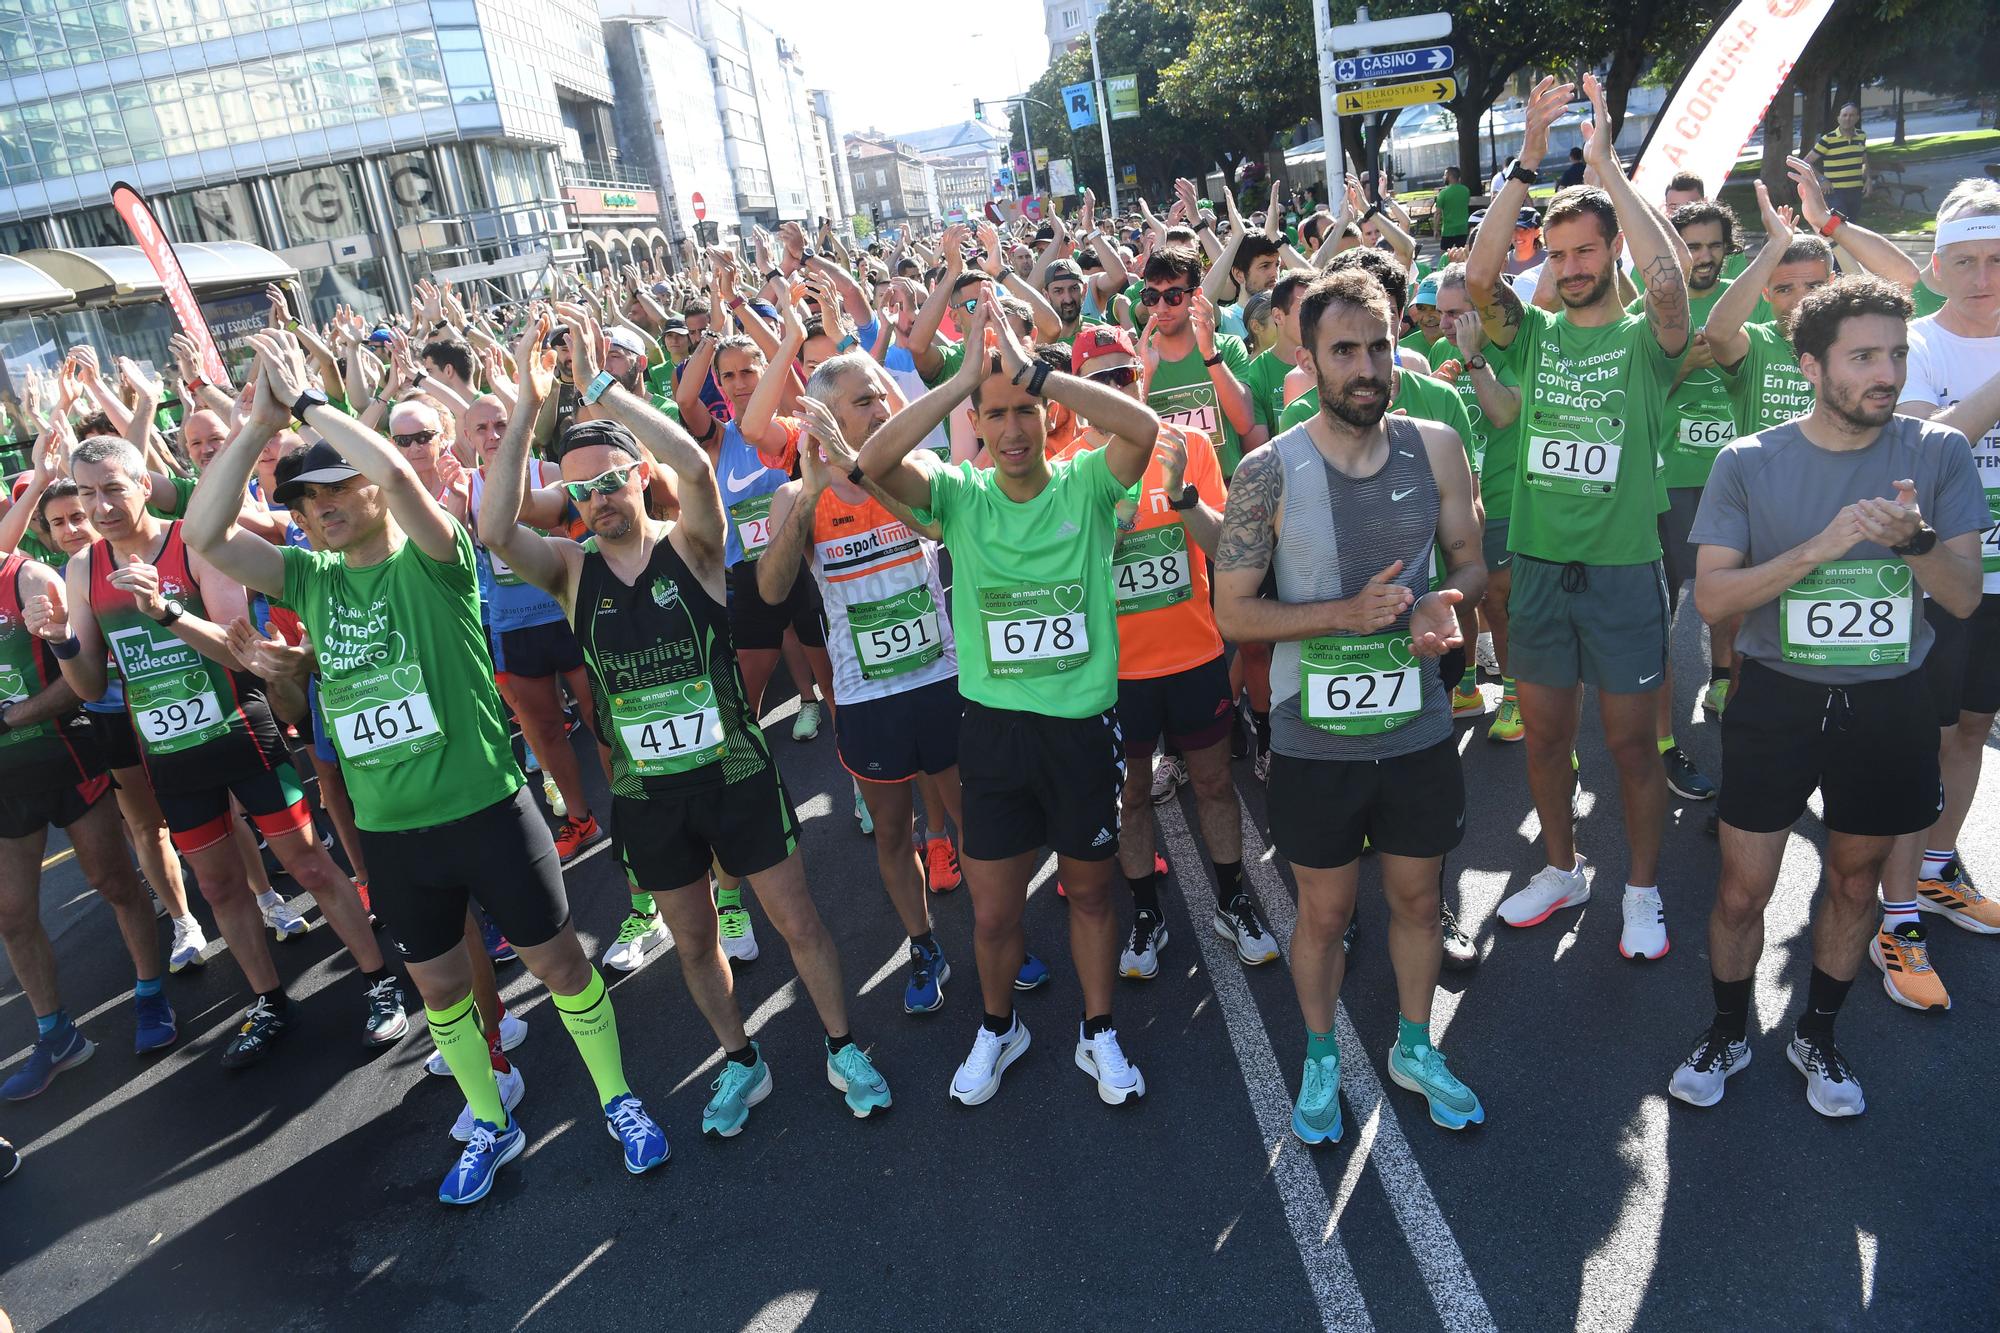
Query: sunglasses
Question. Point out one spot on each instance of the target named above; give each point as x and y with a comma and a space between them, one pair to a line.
969, 306
415, 439
1173, 296
608, 482
1118, 377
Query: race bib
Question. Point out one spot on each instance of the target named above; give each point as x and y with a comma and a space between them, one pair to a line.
381, 716
175, 712
1151, 569
502, 571
752, 518
1361, 686
14, 690
1569, 467
1697, 434
669, 728
1848, 613
1989, 540
1202, 418
896, 634
1033, 631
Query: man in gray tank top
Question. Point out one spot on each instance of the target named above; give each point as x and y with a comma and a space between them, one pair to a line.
1346, 511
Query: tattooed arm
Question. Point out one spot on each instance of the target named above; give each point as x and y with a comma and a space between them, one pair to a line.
1651, 240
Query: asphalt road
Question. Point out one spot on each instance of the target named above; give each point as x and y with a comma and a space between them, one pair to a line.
300, 1194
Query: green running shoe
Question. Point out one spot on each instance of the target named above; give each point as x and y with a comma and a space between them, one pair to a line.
1452, 1104
737, 1089
1715, 698
1507, 726
850, 1070
1316, 1114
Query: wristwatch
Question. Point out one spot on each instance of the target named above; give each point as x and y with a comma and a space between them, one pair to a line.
1215, 360
1525, 175
599, 383
1189, 498
1475, 362
308, 400
173, 611
1920, 543
1835, 219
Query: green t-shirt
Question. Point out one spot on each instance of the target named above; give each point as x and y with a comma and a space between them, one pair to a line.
35, 549
1184, 395
1266, 381
406, 683
1593, 415
954, 357
1416, 340
1493, 448
1032, 602
1454, 206
176, 507
1926, 301
1766, 388
1700, 417
1416, 395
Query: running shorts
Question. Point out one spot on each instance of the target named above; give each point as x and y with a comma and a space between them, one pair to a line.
1602, 625
420, 880
1323, 811
754, 623
199, 818
1190, 708
1030, 781
667, 841
536, 651
29, 813
896, 737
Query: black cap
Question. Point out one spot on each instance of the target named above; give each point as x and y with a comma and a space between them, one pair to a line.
319, 464
601, 430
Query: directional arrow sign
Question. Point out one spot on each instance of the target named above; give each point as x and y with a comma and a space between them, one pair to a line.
1392, 64
1390, 32
1389, 96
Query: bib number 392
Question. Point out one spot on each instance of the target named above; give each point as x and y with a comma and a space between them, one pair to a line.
381, 716
1848, 613
1359, 686
1034, 631
1571, 467
173, 712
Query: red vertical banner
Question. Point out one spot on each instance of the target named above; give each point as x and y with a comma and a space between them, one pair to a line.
167, 265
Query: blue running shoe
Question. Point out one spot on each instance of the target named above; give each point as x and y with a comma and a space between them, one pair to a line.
850, 1070
497, 947
1452, 1104
1316, 1114
737, 1089
471, 1177
64, 1048
156, 1027
923, 993
644, 1143
1034, 972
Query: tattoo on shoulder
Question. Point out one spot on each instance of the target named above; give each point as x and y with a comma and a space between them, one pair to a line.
1504, 309
1666, 293
1247, 537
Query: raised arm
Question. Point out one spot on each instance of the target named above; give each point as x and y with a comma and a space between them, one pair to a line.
1878, 254
1645, 231
687, 389
1501, 404
57, 697
538, 559
1498, 305
1724, 329
51, 451
759, 425
210, 527
887, 458
1131, 424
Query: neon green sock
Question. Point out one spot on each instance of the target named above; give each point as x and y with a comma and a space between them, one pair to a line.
594, 1029
1412, 1035
643, 904
459, 1039
725, 898
1470, 680
1319, 1045
1666, 742
1507, 689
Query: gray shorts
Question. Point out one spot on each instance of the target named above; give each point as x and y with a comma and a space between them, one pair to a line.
1676, 551
1601, 625
1494, 545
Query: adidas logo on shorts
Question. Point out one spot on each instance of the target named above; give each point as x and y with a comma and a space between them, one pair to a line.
1103, 836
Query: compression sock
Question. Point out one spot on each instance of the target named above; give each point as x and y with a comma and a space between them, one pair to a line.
998, 1024
1898, 913
1823, 999
594, 1029
1937, 864
459, 1041
643, 905
1666, 742
1146, 892
1732, 1006
145, 987
44, 1025
1319, 1045
1410, 1035
1228, 881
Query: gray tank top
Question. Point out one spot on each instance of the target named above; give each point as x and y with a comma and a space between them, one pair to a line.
1366, 697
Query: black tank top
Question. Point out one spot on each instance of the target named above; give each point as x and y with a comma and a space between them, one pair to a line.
666, 693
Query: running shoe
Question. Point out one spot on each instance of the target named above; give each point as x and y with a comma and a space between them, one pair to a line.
1645, 931
1687, 781
574, 836
1507, 726
639, 934
154, 1026
978, 1078
644, 1143
806, 725
1316, 1114
1699, 1080
1141, 959
851, 1071
1831, 1087
1169, 775
861, 815
1903, 954
188, 944
262, 1027
1460, 952
1034, 973
279, 916
489, 1149
1547, 892
923, 993
10, 1159
387, 1022
1467, 703
1483, 654
1452, 1104
1260, 767
551, 793
1118, 1079
739, 937
64, 1048
737, 1088
513, 1031
511, 1086
1241, 926
1957, 900
1715, 698
941, 864
497, 947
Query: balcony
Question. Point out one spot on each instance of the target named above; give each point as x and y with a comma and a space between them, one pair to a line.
593, 174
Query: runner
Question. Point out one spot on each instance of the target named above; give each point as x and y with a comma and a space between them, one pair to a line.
206, 735
1200, 380
1813, 532
1756, 360
1345, 511
692, 778
1042, 759
1588, 603
392, 610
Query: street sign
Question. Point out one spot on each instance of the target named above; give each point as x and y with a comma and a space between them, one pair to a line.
1390, 32
1389, 96
1080, 101
1392, 64
700, 208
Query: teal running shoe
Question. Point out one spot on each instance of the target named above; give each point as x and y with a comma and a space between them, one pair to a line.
1452, 1104
850, 1070
1316, 1114
737, 1089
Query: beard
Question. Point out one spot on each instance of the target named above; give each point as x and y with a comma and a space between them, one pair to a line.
615, 527
1589, 298
1069, 311
1361, 416
1853, 407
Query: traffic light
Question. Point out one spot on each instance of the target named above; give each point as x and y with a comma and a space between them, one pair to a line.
978, 109
876, 209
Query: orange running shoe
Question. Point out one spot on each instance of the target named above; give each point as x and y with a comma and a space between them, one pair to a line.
1904, 956
941, 864
573, 834
1959, 902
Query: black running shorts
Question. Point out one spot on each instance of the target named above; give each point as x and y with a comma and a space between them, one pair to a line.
1323, 811
1030, 782
667, 841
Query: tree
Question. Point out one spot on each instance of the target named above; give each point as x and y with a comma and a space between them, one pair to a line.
1225, 77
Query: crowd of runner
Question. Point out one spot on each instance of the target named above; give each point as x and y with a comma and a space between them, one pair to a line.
1045, 522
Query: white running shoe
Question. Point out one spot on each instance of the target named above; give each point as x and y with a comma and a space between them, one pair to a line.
1141, 958
188, 944
1241, 926
806, 725
513, 1031
1548, 892
1699, 1080
979, 1077
1169, 775
280, 917
1488, 661
511, 1088
557, 807
1645, 933
1831, 1088
739, 937
639, 935
1104, 1060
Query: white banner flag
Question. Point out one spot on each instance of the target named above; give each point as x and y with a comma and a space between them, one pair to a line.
1727, 89
1062, 180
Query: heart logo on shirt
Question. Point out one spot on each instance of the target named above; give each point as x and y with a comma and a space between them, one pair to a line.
1402, 653
1894, 578
1069, 596
1173, 538
698, 693
194, 680
408, 678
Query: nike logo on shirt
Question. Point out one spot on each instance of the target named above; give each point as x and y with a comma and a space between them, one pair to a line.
1402, 495
737, 482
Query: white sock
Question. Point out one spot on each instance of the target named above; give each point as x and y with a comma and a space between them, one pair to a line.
1936, 862
1898, 914
1651, 891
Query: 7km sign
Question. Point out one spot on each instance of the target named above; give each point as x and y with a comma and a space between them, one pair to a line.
1389, 96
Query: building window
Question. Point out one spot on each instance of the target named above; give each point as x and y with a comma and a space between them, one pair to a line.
1072, 19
